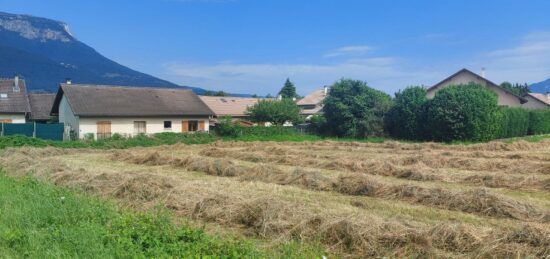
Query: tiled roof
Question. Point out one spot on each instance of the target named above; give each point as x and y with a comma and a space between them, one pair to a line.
11, 100
314, 98
545, 98
41, 105
117, 101
229, 106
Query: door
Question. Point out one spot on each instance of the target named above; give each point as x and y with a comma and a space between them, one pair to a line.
140, 127
103, 129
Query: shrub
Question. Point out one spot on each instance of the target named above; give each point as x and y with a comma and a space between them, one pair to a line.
514, 122
539, 121
463, 113
276, 112
318, 124
353, 109
226, 127
403, 121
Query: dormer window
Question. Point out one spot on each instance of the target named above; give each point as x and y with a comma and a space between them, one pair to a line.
3, 96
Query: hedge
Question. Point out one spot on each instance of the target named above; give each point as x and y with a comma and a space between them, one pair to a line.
539, 122
514, 122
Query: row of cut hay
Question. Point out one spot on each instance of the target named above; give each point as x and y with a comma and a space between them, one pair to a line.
478, 201
412, 168
355, 235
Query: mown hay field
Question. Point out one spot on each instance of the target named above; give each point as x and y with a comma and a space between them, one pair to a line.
358, 200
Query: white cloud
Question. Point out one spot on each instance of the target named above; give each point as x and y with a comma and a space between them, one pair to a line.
357, 50
384, 73
527, 62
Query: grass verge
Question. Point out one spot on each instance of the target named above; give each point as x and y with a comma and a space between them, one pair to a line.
42, 220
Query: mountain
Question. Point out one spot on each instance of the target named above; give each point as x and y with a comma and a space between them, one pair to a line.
541, 87
45, 53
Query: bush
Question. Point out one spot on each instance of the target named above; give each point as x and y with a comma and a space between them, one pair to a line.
353, 109
514, 122
404, 119
318, 124
463, 113
226, 127
539, 121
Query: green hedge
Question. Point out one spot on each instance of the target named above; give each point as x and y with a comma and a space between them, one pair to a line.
514, 122
539, 122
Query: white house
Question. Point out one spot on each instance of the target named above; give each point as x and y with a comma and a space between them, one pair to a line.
14, 104
312, 103
100, 111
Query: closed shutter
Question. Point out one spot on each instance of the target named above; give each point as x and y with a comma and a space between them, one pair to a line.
140, 127
201, 125
184, 126
103, 129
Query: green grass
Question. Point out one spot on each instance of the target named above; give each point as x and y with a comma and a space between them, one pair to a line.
40, 220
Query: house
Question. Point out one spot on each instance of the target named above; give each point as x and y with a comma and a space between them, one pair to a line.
99, 111
312, 103
236, 107
40, 107
537, 101
14, 104
465, 76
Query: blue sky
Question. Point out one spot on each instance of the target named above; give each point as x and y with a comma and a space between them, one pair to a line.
252, 46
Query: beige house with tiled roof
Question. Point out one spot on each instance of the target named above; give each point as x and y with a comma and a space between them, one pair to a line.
14, 103
537, 101
100, 110
236, 107
465, 76
312, 103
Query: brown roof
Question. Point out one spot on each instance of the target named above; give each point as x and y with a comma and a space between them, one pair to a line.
314, 98
229, 106
117, 101
12, 101
544, 98
41, 105
464, 70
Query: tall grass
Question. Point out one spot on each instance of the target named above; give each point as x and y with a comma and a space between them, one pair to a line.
40, 220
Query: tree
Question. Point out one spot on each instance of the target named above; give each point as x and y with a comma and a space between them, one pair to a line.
275, 111
404, 120
220, 93
463, 112
518, 89
354, 109
288, 91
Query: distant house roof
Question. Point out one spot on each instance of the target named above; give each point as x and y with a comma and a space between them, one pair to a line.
229, 106
544, 98
314, 98
488, 82
118, 101
40, 105
13, 96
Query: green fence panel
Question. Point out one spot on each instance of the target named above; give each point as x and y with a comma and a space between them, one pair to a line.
50, 131
25, 129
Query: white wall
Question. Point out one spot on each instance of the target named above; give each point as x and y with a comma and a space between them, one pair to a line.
67, 116
125, 125
15, 118
533, 103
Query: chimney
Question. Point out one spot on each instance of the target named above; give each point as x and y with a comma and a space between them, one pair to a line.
483, 72
68, 81
16, 87
326, 90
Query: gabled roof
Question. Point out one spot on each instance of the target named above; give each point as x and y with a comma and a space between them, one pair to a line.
229, 106
314, 98
488, 82
543, 98
40, 105
11, 100
118, 101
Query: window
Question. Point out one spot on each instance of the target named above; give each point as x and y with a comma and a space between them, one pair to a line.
4, 96
193, 126
167, 124
140, 127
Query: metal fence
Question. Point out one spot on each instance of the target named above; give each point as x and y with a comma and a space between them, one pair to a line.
54, 131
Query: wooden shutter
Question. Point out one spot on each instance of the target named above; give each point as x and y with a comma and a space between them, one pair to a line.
201, 125
103, 129
6, 121
184, 126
